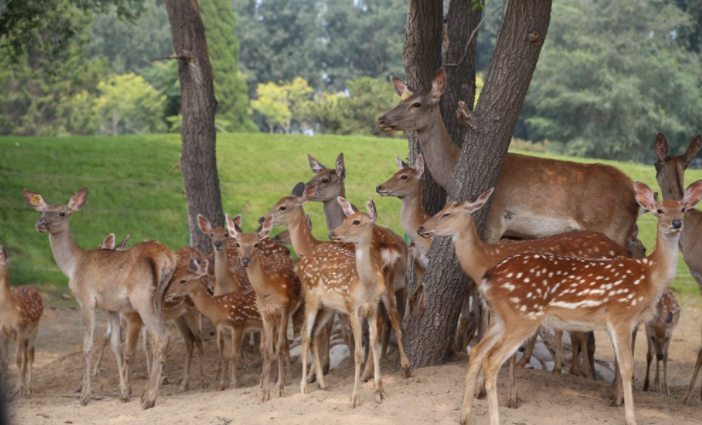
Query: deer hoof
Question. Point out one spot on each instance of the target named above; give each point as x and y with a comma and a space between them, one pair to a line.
355, 399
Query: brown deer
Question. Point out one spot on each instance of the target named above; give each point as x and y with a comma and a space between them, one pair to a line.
530, 289
476, 256
533, 197
330, 185
345, 281
230, 276
125, 281
278, 294
659, 332
233, 313
20, 312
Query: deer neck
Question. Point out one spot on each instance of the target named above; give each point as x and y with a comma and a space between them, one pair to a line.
470, 251
301, 236
439, 151
204, 302
5, 292
224, 281
66, 251
259, 278
333, 212
366, 266
413, 216
662, 264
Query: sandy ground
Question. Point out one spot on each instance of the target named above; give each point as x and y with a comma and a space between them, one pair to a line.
431, 395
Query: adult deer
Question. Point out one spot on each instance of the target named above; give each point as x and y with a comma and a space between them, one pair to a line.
330, 185
476, 256
529, 289
534, 196
233, 313
135, 279
20, 312
277, 295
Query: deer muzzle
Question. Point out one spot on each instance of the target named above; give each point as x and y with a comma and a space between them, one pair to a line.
42, 225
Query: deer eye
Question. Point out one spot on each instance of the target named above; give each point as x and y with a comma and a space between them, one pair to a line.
356, 222
62, 214
417, 105
683, 210
283, 208
403, 177
660, 211
445, 215
256, 246
237, 245
182, 281
325, 180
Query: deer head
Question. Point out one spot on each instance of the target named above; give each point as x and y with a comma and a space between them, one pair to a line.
670, 170
634, 245
405, 182
454, 217
358, 226
247, 243
54, 217
416, 110
217, 234
664, 323
330, 183
289, 208
190, 272
670, 214
3, 259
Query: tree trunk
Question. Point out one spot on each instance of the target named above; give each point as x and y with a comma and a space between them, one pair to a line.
199, 160
460, 23
487, 139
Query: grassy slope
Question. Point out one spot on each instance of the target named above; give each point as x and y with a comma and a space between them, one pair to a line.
131, 191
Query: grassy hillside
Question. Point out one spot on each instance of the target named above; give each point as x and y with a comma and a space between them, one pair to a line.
132, 192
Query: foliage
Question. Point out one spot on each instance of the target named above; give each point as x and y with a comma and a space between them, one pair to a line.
223, 47
279, 103
608, 95
128, 104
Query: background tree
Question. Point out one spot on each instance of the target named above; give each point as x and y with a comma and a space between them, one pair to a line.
280, 103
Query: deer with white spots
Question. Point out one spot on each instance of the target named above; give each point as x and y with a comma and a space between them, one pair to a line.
659, 332
329, 186
277, 295
20, 312
576, 293
233, 314
476, 257
132, 280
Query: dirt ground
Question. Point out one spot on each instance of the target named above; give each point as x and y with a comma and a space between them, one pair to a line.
431, 395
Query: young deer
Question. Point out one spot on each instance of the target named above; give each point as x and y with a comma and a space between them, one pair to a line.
277, 295
135, 279
329, 186
348, 282
530, 289
533, 197
476, 256
232, 313
659, 332
229, 274
20, 312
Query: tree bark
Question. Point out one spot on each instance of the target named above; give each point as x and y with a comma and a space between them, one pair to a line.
199, 159
459, 63
488, 136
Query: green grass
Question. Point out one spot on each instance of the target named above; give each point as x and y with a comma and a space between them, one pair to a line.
132, 192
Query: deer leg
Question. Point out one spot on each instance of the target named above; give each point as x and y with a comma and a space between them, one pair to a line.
528, 351
649, 359
576, 349
558, 361
105, 340
461, 337
379, 392
358, 357
227, 349
512, 399
268, 333
666, 390
131, 341
88, 330
154, 324
192, 320
474, 366
368, 370
21, 359
189, 340
220, 356
280, 351
389, 301
591, 346
147, 351
311, 310
621, 339
691, 387
116, 344
319, 333
30, 357
588, 370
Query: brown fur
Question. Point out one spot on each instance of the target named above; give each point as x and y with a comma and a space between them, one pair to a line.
659, 333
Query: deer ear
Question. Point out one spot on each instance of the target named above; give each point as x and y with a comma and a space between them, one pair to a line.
372, 212
34, 200
3, 255
193, 265
308, 194
121, 245
345, 206
266, 227
401, 88
238, 219
298, 190
309, 221
480, 202
109, 242
644, 196
400, 163
204, 224
661, 147
232, 228
670, 317
634, 233
692, 150
340, 168
78, 200
692, 195
419, 165
315, 165
438, 85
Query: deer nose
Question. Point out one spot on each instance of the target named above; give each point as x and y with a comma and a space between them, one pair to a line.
246, 261
378, 188
261, 220
382, 120
660, 357
218, 244
42, 223
420, 230
677, 223
331, 235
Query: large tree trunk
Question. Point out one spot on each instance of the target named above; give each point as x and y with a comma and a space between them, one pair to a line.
487, 139
459, 64
199, 160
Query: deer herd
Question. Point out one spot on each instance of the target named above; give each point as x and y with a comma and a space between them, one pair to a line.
577, 266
